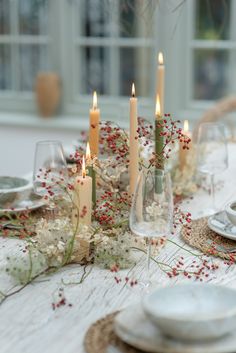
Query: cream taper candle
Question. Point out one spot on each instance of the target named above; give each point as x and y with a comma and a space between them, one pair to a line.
82, 198
91, 173
134, 144
94, 118
161, 81
183, 152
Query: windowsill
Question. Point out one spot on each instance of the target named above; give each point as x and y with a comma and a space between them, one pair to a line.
34, 121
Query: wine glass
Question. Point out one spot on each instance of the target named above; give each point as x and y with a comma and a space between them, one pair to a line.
151, 214
50, 170
212, 155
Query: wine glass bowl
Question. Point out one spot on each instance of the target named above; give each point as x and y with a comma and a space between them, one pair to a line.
151, 213
50, 169
212, 148
212, 154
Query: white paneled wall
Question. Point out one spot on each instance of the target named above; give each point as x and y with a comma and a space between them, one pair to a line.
17, 146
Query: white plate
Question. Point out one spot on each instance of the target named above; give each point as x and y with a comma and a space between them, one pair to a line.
32, 203
134, 328
220, 224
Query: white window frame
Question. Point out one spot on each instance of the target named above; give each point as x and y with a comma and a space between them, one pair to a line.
15, 100
62, 41
81, 103
178, 25
179, 55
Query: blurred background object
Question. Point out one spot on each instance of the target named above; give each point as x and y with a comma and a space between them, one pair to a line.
48, 92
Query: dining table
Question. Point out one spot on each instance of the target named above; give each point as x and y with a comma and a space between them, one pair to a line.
28, 323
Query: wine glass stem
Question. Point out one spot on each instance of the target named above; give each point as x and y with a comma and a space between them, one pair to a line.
149, 245
213, 190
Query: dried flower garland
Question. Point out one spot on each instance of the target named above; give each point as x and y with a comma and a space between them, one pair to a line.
108, 241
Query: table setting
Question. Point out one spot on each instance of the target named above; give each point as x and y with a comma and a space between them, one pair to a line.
126, 243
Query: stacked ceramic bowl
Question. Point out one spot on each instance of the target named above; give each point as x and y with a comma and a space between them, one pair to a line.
12, 190
196, 318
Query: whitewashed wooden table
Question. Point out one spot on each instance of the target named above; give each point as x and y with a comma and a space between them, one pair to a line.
29, 325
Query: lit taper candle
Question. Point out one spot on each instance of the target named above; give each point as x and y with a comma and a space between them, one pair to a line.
94, 127
183, 152
134, 144
82, 199
91, 172
161, 81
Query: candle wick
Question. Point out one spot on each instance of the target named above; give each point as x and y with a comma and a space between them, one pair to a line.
133, 95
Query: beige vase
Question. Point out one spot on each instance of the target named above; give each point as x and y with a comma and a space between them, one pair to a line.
48, 93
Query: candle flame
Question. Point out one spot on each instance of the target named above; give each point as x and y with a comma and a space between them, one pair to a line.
158, 106
88, 152
133, 90
186, 126
83, 168
95, 100
160, 58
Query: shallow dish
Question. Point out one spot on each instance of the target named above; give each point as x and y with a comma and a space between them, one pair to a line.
32, 202
193, 311
220, 224
134, 328
12, 188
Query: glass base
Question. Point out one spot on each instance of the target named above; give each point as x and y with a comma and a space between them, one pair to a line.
144, 287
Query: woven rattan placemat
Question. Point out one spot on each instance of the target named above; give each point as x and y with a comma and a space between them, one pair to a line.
203, 238
101, 335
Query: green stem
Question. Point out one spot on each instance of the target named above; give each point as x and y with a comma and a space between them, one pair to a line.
92, 174
159, 142
45, 271
181, 247
83, 277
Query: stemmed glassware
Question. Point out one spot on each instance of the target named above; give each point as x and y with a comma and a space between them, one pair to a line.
50, 170
212, 154
151, 214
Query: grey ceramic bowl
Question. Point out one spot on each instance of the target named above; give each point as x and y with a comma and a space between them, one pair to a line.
230, 210
193, 312
12, 188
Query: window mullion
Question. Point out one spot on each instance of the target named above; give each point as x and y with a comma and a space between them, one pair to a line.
191, 9
15, 62
232, 53
114, 84
60, 42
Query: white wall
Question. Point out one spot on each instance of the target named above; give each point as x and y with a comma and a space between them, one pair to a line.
17, 146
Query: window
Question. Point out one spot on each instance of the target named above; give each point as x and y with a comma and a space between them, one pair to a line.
101, 45
24, 43
213, 46
113, 47
208, 29
105, 45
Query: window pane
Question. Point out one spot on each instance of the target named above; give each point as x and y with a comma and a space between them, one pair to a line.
212, 19
33, 59
94, 18
33, 17
5, 67
94, 70
136, 17
211, 74
135, 67
4, 17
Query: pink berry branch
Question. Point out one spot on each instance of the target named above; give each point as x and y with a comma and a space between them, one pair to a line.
114, 141
170, 131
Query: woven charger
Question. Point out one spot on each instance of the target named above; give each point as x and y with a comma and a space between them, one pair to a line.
101, 335
209, 242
